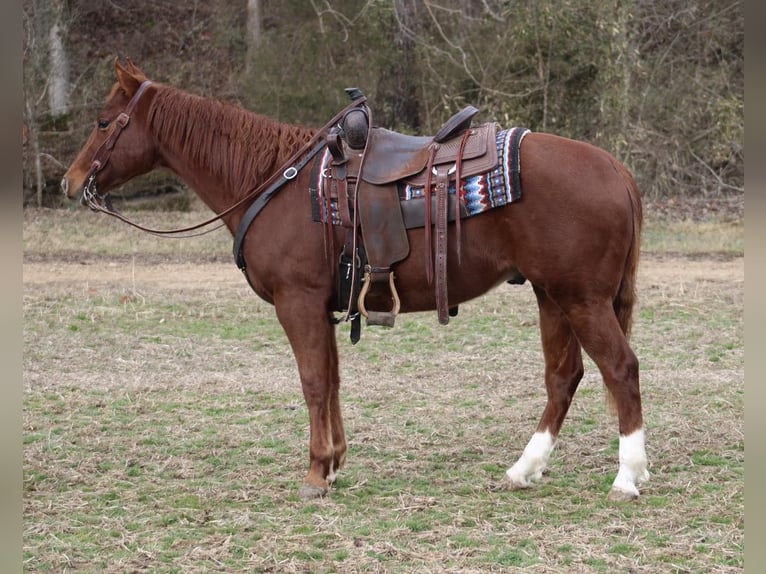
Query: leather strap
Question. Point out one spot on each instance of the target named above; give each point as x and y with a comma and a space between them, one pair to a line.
278, 180
436, 257
317, 213
339, 187
458, 191
263, 198
101, 157
427, 226
442, 192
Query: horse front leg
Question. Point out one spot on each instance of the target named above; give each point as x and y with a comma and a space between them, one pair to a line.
336, 419
312, 338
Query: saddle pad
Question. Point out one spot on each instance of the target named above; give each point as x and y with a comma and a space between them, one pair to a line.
478, 193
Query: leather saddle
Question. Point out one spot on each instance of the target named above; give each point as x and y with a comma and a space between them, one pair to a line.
372, 170
393, 156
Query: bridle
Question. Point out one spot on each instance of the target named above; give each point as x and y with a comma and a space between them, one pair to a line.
90, 195
102, 203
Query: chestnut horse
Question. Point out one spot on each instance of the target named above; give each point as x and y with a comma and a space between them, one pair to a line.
574, 235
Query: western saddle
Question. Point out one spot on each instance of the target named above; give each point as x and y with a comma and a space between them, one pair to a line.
367, 168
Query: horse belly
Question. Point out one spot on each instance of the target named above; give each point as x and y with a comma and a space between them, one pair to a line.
486, 260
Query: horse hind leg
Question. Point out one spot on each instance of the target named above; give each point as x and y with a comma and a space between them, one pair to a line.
603, 339
563, 372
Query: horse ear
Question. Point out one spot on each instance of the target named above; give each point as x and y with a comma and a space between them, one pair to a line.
118, 67
133, 68
126, 77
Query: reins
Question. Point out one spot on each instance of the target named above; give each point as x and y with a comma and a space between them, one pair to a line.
289, 170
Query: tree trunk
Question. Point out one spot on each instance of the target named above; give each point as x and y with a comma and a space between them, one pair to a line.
58, 91
254, 32
33, 142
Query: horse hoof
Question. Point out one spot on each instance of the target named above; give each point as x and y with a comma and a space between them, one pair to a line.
617, 495
309, 491
515, 484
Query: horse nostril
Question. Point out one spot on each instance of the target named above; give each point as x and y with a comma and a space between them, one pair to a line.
65, 186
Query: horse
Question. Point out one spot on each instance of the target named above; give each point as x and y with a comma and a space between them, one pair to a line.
574, 235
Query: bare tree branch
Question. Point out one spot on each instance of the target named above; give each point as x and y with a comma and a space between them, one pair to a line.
717, 177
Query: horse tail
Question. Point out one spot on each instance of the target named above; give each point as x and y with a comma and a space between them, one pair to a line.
626, 295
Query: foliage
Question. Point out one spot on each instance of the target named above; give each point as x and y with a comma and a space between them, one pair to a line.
660, 84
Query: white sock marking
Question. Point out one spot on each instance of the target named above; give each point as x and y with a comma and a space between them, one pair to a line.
533, 460
633, 463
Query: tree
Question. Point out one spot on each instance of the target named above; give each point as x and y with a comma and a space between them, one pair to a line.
397, 87
660, 84
58, 89
254, 32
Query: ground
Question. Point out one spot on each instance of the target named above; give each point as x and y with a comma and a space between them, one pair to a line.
225, 279
165, 431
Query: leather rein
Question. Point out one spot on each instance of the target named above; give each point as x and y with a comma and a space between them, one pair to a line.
97, 201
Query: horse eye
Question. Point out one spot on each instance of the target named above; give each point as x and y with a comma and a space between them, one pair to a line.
103, 124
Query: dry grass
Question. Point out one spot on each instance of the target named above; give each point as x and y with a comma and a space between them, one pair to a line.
165, 430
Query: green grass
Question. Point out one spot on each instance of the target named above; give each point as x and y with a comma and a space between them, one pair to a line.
182, 475
165, 431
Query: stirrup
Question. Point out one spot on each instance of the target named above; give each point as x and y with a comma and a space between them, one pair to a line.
382, 318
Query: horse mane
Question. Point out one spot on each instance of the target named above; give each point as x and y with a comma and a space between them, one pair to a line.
240, 147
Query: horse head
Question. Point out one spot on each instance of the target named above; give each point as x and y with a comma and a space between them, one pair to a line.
119, 147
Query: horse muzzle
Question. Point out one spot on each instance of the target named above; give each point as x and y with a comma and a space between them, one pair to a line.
70, 188
74, 182
65, 186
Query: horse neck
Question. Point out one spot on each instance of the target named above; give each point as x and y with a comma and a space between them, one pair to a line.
221, 151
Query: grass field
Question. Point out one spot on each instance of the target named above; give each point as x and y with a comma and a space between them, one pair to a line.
165, 430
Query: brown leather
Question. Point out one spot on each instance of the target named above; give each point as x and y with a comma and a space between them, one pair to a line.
479, 154
392, 156
348, 171
383, 231
428, 236
459, 192
440, 255
413, 210
442, 215
456, 125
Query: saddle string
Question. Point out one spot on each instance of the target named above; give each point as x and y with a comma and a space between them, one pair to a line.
458, 175
427, 227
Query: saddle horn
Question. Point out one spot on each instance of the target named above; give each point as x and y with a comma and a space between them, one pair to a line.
355, 126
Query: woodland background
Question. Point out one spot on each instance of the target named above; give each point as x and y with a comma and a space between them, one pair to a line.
658, 83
